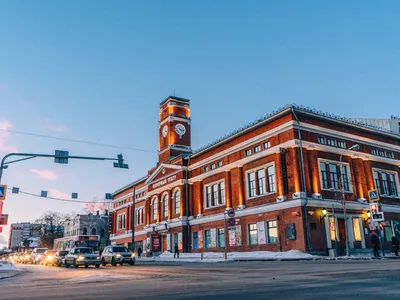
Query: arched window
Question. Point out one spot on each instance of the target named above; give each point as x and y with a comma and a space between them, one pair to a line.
177, 202
93, 231
154, 209
84, 231
102, 233
165, 206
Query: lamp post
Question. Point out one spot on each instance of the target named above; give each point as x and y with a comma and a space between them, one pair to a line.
354, 147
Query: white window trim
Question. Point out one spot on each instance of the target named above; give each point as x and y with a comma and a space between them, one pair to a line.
162, 205
351, 190
118, 216
154, 200
266, 181
144, 214
173, 200
396, 176
205, 193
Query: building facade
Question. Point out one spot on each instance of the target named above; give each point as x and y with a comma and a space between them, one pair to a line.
288, 177
19, 232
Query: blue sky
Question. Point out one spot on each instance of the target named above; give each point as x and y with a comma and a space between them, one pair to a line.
97, 70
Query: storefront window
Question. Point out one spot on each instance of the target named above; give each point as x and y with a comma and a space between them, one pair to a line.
195, 240
272, 232
388, 231
221, 238
208, 238
332, 228
356, 229
253, 239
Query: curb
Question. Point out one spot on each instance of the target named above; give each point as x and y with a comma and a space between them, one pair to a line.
2, 277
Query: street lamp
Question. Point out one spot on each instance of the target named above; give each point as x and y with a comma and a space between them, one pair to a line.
354, 147
324, 212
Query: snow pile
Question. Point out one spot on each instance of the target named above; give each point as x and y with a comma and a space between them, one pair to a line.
6, 266
219, 256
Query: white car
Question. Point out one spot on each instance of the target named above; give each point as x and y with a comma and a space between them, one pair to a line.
82, 256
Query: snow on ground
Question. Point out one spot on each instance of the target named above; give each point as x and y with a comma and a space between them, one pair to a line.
219, 256
102, 277
7, 266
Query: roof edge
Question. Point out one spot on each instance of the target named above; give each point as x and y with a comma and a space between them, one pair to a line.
128, 186
175, 98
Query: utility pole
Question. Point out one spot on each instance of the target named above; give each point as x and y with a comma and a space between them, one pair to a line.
133, 217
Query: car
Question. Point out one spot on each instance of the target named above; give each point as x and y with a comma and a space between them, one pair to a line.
117, 255
60, 257
82, 256
49, 258
37, 255
26, 258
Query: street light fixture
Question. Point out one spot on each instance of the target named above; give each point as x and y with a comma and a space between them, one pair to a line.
354, 147
324, 212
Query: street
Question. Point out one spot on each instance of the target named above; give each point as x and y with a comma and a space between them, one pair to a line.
376, 279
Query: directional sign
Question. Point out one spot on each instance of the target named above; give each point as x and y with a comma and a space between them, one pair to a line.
373, 195
3, 192
231, 213
61, 157
231, 222
378, 217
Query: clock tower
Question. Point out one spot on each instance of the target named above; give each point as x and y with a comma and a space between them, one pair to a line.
174, 128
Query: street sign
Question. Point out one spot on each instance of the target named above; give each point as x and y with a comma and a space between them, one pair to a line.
231, 222
43, 194
231, 213
74, 196
3, 220
373, 195
61, 157
15, 190
378, 217
3, 192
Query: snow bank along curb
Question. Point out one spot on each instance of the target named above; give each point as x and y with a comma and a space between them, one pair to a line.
8, 270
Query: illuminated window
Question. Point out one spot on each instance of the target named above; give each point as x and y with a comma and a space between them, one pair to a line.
261, 182
356, 229
165, 206
177, 201
332, 228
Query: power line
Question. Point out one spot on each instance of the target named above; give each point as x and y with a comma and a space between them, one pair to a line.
76, 141
59, 199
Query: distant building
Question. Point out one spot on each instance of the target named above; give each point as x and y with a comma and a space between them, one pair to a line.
19, 232
90, 224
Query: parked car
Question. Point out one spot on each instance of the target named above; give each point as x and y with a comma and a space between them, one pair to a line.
117, 255
26, 258
37, 255
48, 258
82, 256
60, 257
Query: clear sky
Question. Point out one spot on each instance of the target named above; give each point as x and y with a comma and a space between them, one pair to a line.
97, 70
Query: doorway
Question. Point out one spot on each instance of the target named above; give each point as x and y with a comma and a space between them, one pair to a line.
164, 243
342, 236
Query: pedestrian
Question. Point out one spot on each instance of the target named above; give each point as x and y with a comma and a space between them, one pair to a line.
176, 253
139, 252
375, 243
395, 244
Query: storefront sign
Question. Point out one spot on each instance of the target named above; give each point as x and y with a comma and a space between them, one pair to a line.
232, 236
261, 233
156, 242
201, 240
165, 181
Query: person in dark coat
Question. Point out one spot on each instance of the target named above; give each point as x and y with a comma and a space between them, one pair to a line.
395, 243
375, 243
139, 252
176, 252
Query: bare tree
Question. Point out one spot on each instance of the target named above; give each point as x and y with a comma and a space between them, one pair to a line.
52, 226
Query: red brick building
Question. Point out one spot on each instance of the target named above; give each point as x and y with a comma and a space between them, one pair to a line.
279, 174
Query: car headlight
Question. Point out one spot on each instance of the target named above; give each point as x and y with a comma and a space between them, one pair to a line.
98, 257
81, 258
118, 255
133, 255
39, 256
49, 257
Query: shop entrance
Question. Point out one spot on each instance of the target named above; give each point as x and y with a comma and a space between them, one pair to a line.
342, 236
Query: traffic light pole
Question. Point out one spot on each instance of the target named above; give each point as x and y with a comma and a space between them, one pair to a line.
4, 164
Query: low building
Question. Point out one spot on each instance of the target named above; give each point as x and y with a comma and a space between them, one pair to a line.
20, 232
296, 179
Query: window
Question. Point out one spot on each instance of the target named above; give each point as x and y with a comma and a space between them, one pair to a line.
208, 239
330, 176
121, 224
267, 145
374, 152
215, 194
247, 152
221, 238
139, 216
357, 229
219, 164
381, 153
332, 142
257, 149
177, 201
388, 231
154, 211
389, 154
272, 230
253, 240
386, 183
342, 144
165, 206
84, 231
212, 167
93, 231
195, 240
258, 185
205, 169
321, 140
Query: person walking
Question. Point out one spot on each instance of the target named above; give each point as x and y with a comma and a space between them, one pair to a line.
395, 244
176, 252
139, 252
375, 243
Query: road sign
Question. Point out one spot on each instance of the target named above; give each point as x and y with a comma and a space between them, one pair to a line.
3, 220
231, 213
373, 195
43, 194
378, 217
231, 222
3, 192
15, 190
61, 157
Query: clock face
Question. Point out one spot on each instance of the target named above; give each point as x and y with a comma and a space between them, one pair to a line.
180, 129
165, 130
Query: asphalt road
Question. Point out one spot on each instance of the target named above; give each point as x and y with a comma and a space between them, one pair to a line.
296, 280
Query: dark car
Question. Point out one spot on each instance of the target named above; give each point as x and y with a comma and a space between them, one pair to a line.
60, 256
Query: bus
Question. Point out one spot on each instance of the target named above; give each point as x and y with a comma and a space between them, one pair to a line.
69, 242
